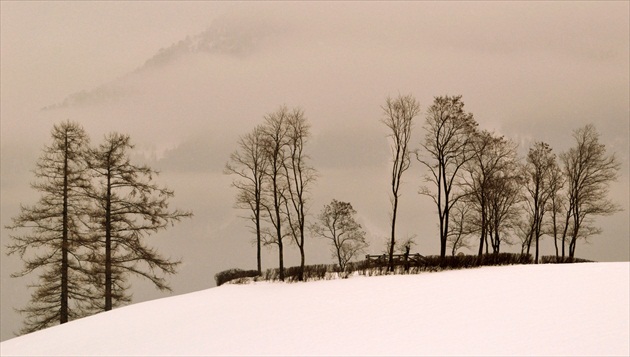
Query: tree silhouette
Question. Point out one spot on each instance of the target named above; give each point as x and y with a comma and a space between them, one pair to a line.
55, 240
128, 207
398, 117
447, 142
249, 164
299, 176
589, 172
336, 223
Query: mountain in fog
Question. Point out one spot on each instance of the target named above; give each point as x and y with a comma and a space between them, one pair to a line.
222, 38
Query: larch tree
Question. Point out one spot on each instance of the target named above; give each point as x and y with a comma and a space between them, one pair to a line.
337, 223
55, 242
588, 170
128, 207
398, 116
449, 131
299, 176
249, 164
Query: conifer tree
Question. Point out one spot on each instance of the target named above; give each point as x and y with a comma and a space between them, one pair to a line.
54, 242
128, 207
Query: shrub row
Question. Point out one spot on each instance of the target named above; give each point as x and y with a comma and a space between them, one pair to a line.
311, 272
552, 259
233, 274
430, 263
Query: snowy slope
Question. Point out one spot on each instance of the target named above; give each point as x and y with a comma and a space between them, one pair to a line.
578, 309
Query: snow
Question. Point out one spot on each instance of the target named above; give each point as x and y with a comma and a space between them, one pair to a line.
563, 309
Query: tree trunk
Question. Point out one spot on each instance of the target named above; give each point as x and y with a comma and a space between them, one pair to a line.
108, 244
444, 234
280, 253
537, 239
258, 238
393, 239
555, 235
63, 310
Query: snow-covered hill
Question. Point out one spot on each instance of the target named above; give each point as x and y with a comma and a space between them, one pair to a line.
577, 309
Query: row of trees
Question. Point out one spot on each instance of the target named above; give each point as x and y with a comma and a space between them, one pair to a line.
86, 234
482, 189
485, 194
274, 177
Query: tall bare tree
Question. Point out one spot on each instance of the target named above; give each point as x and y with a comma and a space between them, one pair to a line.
447, 145
540, 169
276, 140
504, 196
336, 222
55, 242
556, 204
488, 178
589, 170
299, 176
249, 164
398, 117
129, 206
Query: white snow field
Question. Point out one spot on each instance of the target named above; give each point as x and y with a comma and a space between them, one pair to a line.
563, 309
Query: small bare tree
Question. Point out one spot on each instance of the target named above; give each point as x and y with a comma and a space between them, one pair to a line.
336, 223
399, 113
249, 164
588, 171
461, 228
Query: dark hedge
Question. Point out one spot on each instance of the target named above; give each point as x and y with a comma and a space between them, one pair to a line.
430, 263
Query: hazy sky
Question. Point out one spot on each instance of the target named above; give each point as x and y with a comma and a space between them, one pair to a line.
185, 79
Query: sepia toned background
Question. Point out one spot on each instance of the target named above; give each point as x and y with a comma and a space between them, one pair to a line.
185, 79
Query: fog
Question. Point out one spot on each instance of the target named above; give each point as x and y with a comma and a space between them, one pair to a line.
185, 80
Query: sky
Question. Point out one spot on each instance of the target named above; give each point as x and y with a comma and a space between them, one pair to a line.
488, 311
186, 79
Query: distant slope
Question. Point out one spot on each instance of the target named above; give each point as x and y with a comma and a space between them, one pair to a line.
577, 309
222, 37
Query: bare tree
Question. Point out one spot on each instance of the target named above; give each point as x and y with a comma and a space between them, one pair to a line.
488, 182
128, 207
299, 175
461, 228
447, 143
56, 240
540, 169
589, 172
399, 113
556, 203
249, 164
336, 222
504, 196
275, 137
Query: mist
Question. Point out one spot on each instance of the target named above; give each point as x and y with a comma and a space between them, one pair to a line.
185, 80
